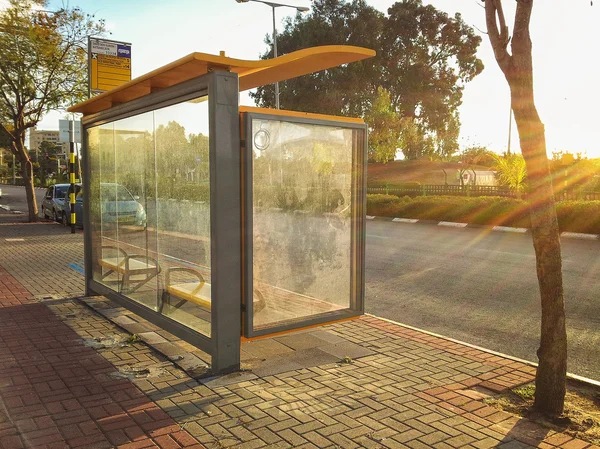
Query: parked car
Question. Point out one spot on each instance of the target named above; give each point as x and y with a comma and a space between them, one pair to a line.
52, 205
66, 210
117, 205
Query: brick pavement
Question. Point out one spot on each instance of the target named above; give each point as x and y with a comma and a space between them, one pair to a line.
55, 392
413, 390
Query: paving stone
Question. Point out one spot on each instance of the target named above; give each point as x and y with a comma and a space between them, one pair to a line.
403, 389
301, 341
152, 338
346, 349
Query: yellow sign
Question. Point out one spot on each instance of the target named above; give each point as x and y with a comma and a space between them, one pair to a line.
109, 64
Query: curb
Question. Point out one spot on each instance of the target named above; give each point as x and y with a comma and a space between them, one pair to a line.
570, 376
450, 224
9, 210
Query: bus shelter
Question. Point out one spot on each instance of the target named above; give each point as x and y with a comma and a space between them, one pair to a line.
218, 222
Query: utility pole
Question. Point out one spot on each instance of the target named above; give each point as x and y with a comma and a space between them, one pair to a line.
72, 173
510, 112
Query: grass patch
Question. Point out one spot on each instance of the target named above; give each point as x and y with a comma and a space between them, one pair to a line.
573, 216
581, 418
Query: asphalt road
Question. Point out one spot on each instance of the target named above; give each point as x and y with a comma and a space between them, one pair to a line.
475, 285
14, 197
480, 286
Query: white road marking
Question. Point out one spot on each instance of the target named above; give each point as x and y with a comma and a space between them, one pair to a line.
405, 220
579, 235
510, 229
452, 224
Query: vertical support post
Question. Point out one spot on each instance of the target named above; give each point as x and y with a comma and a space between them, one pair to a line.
225, 221
275, 55
84, 156
89, 58
72, 173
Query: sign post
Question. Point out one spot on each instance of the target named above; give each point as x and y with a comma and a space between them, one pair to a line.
70, 131
109, 64
72, 173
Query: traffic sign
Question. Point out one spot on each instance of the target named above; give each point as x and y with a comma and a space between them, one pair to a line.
109, 64
63, 131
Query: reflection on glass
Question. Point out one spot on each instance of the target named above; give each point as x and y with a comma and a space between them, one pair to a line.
150, 210
106, 256
132, 194
183, 209
302, 233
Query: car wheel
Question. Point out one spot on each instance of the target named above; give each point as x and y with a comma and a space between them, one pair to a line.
65, 222
56, 216
44, 212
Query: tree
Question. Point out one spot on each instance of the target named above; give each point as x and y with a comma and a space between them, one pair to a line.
47, 159
478, 155
42, 67
385, 128
424, 58
511, 172
517, 68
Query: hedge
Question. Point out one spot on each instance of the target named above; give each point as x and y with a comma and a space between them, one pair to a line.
573, 216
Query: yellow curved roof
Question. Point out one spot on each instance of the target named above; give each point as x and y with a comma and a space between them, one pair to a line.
251, 73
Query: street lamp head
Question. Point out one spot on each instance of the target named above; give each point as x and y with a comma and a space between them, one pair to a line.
242, 1
300, 8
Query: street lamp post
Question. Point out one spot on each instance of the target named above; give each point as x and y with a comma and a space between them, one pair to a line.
273, 6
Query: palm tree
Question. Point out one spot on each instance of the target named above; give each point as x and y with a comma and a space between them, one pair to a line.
511, 171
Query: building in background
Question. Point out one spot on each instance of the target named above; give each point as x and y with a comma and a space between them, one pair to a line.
36, 137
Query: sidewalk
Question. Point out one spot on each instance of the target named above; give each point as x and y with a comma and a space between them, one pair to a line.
69, 377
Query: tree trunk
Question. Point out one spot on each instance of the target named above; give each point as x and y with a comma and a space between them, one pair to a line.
27, 174
18, 148
552, 353
518, 70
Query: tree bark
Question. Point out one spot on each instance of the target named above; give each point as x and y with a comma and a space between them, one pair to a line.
18, 148
552, 354
518, 71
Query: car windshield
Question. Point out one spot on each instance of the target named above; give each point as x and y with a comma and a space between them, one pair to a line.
109, 192
60, 191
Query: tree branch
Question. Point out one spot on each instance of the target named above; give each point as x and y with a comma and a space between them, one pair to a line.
499, 38
521, 43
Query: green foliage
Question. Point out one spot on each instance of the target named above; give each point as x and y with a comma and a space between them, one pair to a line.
526, 392
181, 170
385, 128
573, 216
43, 64
579, 216
424, 58
478, 155
511, 172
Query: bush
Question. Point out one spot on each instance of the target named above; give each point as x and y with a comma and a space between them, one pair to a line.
573, 216
579, 216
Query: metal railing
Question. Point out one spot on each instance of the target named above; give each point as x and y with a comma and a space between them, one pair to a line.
471, 190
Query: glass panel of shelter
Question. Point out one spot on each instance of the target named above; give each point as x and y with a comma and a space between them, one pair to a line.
183, 205
302, 221
150, 210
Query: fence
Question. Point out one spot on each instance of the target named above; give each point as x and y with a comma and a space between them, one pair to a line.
470, 190
441, 189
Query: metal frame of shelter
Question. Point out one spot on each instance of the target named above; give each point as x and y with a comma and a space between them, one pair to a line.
221, 79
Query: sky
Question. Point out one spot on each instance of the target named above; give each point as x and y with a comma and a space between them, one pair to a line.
564, 34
